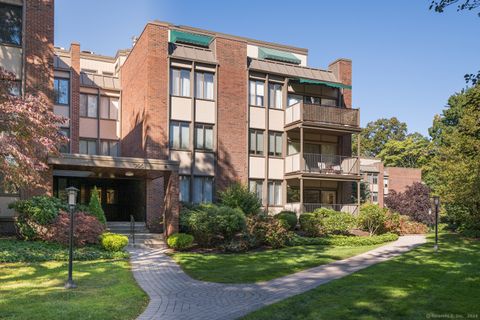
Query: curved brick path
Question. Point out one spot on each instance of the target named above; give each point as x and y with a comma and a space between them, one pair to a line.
174, 295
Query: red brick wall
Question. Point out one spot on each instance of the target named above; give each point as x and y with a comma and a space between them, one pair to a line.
75, 97
381, 196
144, 96
154, 206
400, 178
172, 204
231, 112
342, 68
38, 39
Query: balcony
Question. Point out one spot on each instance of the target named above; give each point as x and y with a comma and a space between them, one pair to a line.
322, 164
310, 207
318, 114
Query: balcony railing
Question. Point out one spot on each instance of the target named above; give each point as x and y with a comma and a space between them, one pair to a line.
323, 114
322, 164
310, 207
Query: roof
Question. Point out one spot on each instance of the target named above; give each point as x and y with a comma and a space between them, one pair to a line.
366, 168
99, 80
192, 53
290, 70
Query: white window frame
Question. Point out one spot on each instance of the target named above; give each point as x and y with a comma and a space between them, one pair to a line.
277, 193
179, 84
181, 139
254, 94
204, 89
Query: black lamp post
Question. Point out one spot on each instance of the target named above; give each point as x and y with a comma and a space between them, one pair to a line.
436, 202
72, 200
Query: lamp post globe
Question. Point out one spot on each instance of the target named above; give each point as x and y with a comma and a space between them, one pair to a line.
72, 200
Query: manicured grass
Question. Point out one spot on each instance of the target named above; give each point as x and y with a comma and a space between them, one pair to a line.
261, 266
106, 290
417, 285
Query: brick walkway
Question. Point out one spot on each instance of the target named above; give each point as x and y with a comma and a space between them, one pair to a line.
174, 295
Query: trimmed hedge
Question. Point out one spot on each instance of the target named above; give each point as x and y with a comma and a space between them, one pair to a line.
113, 242
289, 217
343, 241
180, 241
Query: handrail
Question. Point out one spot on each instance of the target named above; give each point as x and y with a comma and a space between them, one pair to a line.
132, 229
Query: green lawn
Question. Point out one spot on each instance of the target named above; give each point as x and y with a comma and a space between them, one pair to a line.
417, 285
263, 265
34, 290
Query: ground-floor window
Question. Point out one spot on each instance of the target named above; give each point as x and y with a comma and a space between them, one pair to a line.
184, 188
202, 189
256, 186
275, 193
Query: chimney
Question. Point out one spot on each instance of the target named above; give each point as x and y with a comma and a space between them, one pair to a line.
342, 69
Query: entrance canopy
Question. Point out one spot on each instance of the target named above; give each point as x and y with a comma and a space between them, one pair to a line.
84, 166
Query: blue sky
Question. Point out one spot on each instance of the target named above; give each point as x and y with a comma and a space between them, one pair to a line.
407, 60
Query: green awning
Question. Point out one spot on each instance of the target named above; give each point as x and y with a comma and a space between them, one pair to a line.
190, 38
326, 83
277, 55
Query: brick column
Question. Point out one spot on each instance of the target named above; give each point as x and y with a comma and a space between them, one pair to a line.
172, 204
342, 68
155, 203
75, 97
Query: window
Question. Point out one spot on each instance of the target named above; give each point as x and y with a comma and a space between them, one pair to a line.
257, 93
108, 108
204, 136
180, 82
111, 196
88, 147
275, 95
275, 144
311, 100
375, 179
62, 90
256, 142
204, 85
275, 193
65, 148
385, 182
202, 189
329, 102
10, 24
256, 186
184, 188
375, 197
109, 148
179, 135
88, 105
293, 99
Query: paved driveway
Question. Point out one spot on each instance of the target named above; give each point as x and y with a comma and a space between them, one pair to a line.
174, 295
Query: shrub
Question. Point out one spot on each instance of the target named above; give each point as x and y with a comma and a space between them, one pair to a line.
95, 208
414, 202
311, 224
372, 218
180, 241
402, 225
210, 223
335, 222
277, 234
344, 241
256, 228
113, 242
239, 196
263, 229
289, 217
87, 229
236, 245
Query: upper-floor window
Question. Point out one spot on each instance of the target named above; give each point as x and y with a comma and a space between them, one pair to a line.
10, 24
320, 101
180, 82
109, 108
204, 85
179, 135
275, 95
88, 146
257, 93
204, 136
293, 99
65, 148
275, 140
88, 105
256, 142
109, 148
62, 90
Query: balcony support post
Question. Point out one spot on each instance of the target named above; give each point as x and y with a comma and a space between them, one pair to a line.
302, 208
302, 159
358, 194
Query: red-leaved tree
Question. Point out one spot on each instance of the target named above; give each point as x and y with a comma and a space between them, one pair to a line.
414, 202
28, 134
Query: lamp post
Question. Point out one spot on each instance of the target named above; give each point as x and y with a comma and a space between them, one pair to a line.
72, 200
436, 202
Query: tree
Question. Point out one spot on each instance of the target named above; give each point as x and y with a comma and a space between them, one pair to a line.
364, 192
377, 133
413, 152
414, 202
95, 208
28, 133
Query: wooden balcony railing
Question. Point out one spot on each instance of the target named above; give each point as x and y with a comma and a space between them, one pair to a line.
323, 114
322, 164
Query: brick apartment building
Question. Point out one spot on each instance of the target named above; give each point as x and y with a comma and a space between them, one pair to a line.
186, 112
380, 179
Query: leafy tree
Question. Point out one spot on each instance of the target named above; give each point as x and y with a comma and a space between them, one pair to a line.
414, 202
413, 152
377, 133
454, 171
95, 208
28, 133
364, 192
